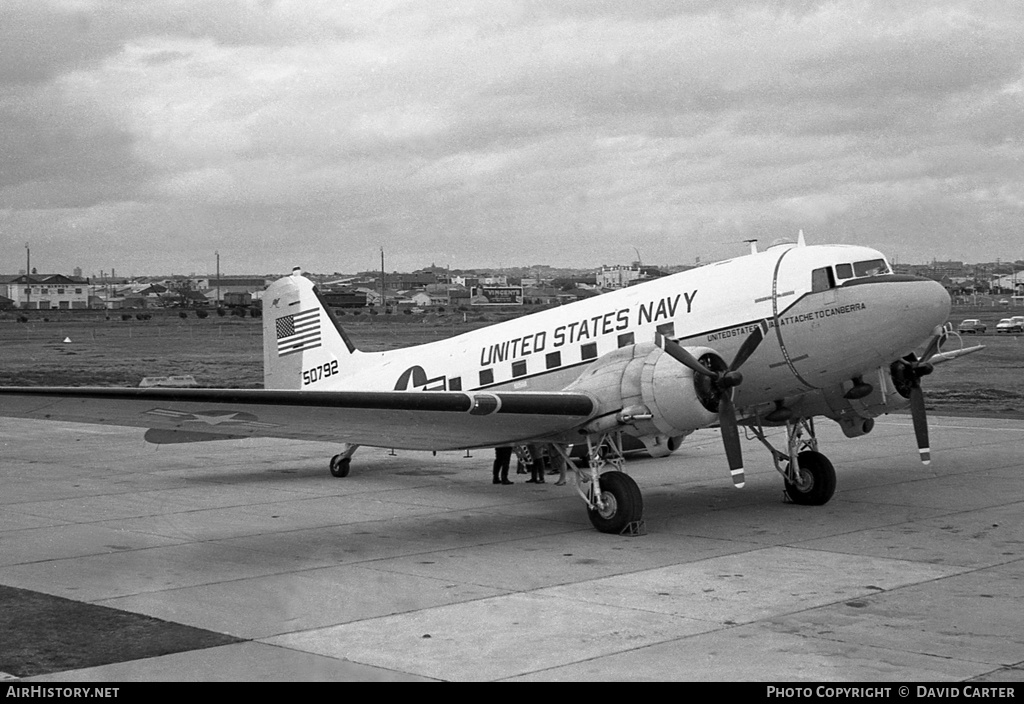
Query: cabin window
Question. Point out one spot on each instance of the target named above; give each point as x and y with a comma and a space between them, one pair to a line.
455, 384
625, 339
553, 360
486, 377
588, 351
872, 267
519, 368
844, 271
822, 280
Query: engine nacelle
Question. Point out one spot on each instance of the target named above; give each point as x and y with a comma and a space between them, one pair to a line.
855, 416
642, 390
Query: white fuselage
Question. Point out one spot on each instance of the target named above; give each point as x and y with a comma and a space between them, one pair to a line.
820, 334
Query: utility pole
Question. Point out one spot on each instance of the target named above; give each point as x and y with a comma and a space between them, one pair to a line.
28, 276
383, 298
217, 254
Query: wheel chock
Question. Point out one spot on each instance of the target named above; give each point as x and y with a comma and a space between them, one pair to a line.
634, 528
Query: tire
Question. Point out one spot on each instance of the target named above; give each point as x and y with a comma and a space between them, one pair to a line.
822, 480
624, 503
340, 466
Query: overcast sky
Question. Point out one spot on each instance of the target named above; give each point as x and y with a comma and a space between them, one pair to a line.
144, 135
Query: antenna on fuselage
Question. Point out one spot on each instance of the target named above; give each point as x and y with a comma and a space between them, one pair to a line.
753, 245
800, 239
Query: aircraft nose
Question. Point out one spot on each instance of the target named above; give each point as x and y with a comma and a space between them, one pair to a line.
935, 302
926, 305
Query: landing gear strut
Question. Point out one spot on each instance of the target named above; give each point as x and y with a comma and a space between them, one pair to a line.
809, 476
614, 502
342, 463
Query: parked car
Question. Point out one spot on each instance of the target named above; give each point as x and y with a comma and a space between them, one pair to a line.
972, 326
1004, 325
1017, 323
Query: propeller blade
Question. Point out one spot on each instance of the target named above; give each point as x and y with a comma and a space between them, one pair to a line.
731, 439
676, 351
749, 346
917, 412
724, 382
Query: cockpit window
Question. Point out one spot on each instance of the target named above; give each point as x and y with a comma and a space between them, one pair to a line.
821, 279
872, 267
844, 271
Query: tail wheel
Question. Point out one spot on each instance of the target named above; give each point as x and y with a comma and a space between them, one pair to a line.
623, 503
340, 466
817, 480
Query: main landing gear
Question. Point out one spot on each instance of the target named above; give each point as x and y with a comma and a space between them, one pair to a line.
342, 463
810, 478
614, 502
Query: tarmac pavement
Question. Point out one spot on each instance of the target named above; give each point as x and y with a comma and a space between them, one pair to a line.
417, 567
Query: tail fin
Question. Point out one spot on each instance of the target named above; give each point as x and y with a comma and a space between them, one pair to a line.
303, 344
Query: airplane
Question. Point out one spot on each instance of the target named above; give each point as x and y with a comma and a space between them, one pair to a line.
770, 339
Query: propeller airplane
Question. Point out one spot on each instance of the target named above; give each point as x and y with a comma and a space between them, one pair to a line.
826, 330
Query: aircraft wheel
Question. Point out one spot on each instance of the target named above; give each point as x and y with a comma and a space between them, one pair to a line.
340, 466
818, 480
623, 503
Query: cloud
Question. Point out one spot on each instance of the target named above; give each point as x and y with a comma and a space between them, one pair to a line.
482, 132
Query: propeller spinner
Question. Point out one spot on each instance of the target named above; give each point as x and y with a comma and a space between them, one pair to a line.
723, 383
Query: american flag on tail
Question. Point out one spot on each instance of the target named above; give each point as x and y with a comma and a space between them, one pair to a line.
297, 332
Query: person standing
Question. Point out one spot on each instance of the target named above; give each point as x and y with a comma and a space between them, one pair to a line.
502, 458
558, 464
536, 464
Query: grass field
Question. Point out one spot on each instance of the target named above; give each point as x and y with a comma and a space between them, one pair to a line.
227, 352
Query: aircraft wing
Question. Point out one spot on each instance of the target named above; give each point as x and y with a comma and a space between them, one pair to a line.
412, 420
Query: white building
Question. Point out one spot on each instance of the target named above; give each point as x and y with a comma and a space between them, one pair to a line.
613, 277
45, 292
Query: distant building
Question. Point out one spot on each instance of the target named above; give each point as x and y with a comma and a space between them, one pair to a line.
345, 298
1013, 283
211, 286
405, 282
430, 298
540, 295
45, 291
616, 277
613, 277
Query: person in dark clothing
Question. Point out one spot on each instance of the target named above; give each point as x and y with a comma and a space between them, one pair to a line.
502, 458
536, 465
